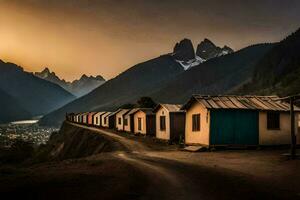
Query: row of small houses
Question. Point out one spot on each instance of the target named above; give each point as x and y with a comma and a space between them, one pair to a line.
205, 120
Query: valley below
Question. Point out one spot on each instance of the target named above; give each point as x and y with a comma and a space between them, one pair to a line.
83, 162
25, 130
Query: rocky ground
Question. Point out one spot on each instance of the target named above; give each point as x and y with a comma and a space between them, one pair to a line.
127, 167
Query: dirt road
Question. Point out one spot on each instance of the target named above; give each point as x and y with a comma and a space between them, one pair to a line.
139, 168
171, 175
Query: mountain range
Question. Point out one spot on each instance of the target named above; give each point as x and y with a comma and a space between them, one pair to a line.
77, 87
166, 79
186, 56
270, 68
125, 88
27, 94
216, 76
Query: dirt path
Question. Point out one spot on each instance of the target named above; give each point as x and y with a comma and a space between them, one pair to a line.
173, 178
159, 176
131, 145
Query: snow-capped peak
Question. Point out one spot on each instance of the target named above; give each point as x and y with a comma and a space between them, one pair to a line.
185, 55
190, 63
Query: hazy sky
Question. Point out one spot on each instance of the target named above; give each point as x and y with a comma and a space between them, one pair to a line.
106, 37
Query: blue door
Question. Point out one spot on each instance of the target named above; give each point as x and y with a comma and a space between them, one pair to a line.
233, 127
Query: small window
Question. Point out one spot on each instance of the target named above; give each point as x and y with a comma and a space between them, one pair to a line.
162, 120
196, 122
96, 120
125, 122
119, 120
139, 124
105, 119
273, 120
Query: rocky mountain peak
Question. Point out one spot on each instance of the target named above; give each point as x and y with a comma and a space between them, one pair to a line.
46, 73
207, 50
100, 78
207, 42
77, 87
184, 50
84, 76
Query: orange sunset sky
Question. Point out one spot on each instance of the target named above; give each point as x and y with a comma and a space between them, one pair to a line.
108, 36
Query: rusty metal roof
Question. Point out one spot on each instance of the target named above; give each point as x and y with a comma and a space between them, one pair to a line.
271, 103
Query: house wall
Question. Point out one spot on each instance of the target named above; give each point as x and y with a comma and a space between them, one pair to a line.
277, 137
197, 137
141, 115
127, 127
81, 118
103, 121
119, 126
90, 118
164, 135
97, 119
298, 127
85, 118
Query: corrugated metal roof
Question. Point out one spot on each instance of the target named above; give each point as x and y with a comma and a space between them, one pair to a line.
106, 114
169, 107
271, 103
123, 111
92, 113
117, 111
172, 107
132, 111
85, 113
99, 113
148, 111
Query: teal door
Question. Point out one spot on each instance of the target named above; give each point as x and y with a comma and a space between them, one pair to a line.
233, 127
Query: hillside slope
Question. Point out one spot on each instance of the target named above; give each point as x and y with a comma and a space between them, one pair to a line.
278, 72
33, 94
139, 80
11, 109
216, 76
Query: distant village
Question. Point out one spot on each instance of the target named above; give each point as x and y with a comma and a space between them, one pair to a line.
32, 133
208, 121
